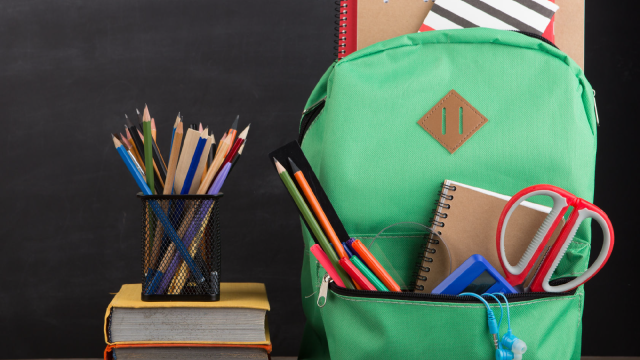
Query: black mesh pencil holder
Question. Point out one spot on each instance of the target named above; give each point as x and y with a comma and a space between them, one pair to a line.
180, 247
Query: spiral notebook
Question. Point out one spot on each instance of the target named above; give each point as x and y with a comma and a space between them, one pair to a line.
467, 218
366, 22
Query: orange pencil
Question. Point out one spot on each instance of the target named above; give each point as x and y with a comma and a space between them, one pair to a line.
153, 129
317, 210
233, 132
374, 265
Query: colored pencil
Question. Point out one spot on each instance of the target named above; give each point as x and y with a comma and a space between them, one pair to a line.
233, 131
175, 126
153, 130
200, 128
213, 169
313, 224
137, 141
148, 150
317, 209
157, 156
182, 275
195, 162
224, 136
209, 154
157, 209
127, 147
234, 150
374, 265
235, 161
189, 146
173, 159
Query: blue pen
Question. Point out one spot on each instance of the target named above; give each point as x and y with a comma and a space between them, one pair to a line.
195, 161
162, 217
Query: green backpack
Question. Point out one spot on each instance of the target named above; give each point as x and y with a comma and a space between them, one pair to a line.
379, 167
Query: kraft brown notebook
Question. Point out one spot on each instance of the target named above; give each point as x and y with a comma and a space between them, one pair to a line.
467, 218
378, 20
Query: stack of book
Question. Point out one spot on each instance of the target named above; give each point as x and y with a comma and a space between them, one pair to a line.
234, 327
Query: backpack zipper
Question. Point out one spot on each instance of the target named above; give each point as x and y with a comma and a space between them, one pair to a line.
328, 283
308, 117
595, 108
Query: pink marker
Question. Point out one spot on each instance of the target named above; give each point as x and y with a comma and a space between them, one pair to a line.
316, 250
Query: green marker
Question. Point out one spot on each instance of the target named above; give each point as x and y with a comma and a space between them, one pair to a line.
313, 223
148, 148
368, 274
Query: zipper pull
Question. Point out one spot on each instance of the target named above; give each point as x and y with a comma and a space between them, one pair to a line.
313, 106
324, 287
596, 109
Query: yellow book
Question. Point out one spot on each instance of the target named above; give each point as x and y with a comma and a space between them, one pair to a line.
238, 318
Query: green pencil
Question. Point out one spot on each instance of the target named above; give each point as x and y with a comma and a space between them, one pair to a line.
148, 147
368, 274
313, 223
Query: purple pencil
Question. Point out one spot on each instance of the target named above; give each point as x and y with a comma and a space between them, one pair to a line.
193, 229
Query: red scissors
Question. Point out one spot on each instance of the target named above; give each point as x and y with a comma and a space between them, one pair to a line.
562, 200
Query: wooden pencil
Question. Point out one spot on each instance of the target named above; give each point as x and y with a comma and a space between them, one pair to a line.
173, 159
157, 156
209, 158
233, 131
154, 131
148, 149
317, 210
139, 145
221, 141
215, 166
189, 146
182, 275
234, 149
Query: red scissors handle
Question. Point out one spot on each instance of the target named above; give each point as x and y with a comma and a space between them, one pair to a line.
562, 200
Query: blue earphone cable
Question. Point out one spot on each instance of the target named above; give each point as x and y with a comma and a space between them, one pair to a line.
498, 301
491, 318
508, 314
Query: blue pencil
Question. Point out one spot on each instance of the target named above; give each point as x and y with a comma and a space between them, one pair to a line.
161, 286
157, 209
195, 161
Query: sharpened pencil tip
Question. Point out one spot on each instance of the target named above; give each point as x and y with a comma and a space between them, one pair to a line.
234, 126
279, 166
138, 111
129, 123
294, 167
244, 133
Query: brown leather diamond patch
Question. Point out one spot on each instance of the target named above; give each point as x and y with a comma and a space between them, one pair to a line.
452, 121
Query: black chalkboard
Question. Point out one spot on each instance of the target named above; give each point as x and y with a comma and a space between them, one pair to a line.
70, 220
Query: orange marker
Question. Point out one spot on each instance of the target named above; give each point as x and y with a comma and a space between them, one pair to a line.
374, 265
356, 275
317, 210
